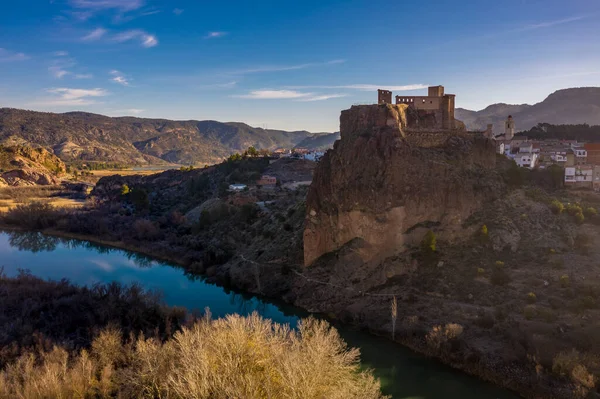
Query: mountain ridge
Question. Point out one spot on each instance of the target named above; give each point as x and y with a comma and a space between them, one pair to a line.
83, 136
565, 106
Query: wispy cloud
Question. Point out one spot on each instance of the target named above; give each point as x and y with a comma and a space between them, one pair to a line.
130, 111
96, 34
281, 68
70, 97
9, 56
323, 97
147, 40
364, 87
214, 35
119, 78
121, 5
60, 53
548, 24
144, 38
177, 11
273, 94
58, 72
287, 95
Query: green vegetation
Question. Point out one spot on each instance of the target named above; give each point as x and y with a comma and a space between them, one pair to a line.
531, 297
428, 244
557, 207
547, 131
564, 281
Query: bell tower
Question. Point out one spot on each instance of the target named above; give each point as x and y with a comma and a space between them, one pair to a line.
509, 128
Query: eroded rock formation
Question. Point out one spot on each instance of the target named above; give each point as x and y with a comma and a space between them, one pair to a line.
390, 178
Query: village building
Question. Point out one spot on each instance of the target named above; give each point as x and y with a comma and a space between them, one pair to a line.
267, 180
593, 153
581, 176
237, 187
596, 176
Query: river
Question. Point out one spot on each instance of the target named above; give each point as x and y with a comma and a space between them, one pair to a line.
403, 373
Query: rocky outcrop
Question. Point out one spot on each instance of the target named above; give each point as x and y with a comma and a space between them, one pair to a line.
390, 179
28, 166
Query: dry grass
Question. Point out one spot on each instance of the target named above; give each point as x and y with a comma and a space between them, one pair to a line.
235, 357
125, 172
57, 202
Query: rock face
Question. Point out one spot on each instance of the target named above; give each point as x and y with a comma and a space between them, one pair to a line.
390, 179
27, 166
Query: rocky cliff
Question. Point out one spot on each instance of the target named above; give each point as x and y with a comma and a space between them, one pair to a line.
390, 179
23, 166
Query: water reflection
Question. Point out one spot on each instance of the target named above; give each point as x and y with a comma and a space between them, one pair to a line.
33, 241
403, 373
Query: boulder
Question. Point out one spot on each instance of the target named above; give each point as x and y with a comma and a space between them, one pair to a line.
29, 177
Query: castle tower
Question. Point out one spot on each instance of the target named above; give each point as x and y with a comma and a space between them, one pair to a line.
509, 128
384, 97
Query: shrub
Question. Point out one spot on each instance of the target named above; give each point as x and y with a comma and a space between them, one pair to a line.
440, 335
552, 251
579, 218
145, 229
531, 297
499, 276
125, 189
529, 312
565, 281
499, 263
591, 212
234, 357
573, 209
36, 215
557, 207
428, 244
480, 271
570, 364
483, 233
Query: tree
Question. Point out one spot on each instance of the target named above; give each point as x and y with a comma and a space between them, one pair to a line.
125, 189
252, 152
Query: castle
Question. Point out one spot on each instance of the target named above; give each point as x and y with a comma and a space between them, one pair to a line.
436, 103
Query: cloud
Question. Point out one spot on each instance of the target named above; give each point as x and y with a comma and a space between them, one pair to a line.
97, 5
9, 56
281, 68
119, 78
323, 97
58, 72
60, 53
131, 111
549, 24
365, 87
214, 35
147, 40
96, 34
177, 11
273, 94
69, 97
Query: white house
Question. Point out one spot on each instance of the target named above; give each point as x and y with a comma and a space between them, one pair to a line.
237, 187
526, 159
581, 175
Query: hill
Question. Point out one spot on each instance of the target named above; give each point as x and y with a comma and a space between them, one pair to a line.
80, 136
567, 106
322, 141
26, 166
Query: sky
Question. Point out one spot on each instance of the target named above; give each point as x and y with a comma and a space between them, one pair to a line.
284, 64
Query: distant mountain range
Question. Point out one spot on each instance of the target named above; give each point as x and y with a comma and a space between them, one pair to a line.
80, 136
563, 107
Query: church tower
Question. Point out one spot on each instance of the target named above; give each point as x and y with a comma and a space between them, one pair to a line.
509, 128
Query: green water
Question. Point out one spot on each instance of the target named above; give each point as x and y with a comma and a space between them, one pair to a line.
403, 373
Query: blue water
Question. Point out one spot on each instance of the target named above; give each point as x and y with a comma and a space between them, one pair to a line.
403, 373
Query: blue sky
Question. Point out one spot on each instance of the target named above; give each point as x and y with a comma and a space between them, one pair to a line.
288, 64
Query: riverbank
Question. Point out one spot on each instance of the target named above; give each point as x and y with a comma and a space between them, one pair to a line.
515, 377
